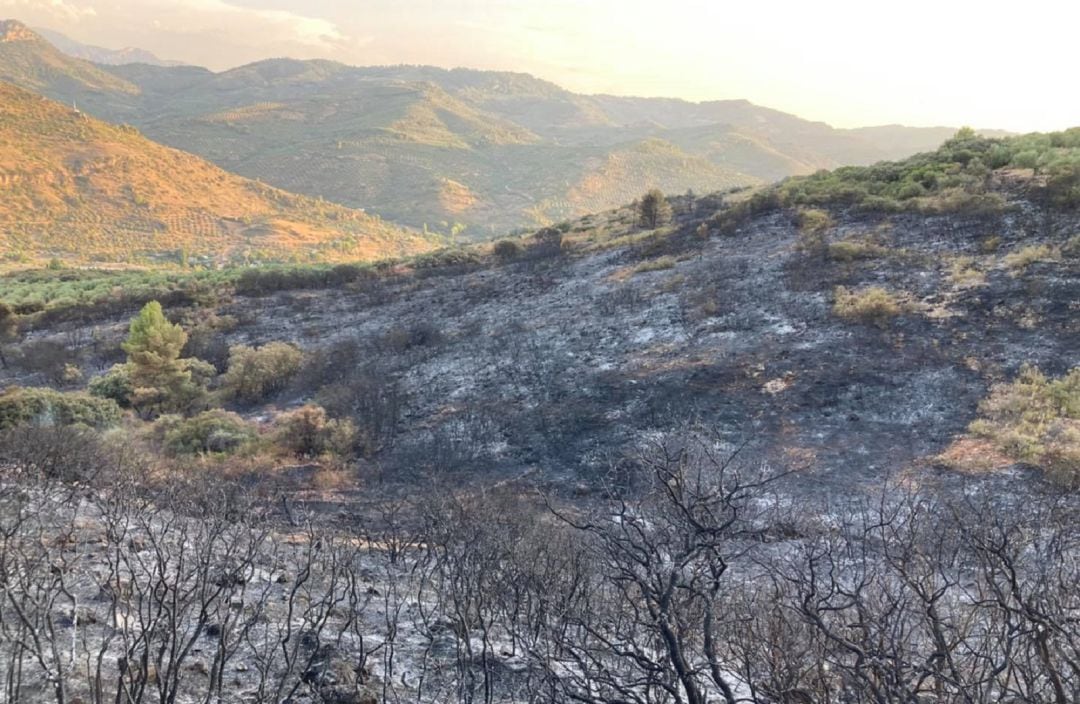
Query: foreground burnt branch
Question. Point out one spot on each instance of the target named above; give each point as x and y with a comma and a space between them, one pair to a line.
694, 579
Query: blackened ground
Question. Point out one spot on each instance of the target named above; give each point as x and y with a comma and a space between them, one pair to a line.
558, 369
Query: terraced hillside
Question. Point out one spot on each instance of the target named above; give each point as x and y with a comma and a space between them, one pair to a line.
491, 151
79, 189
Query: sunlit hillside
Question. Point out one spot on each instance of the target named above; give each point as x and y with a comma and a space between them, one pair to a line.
83, 190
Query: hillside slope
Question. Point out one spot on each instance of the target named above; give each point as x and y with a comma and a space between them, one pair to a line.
842, 334
84, 190
29, 61
518, 151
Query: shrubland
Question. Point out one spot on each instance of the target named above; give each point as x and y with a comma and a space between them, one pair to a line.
955, 178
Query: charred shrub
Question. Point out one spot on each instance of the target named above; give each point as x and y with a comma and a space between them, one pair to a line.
372, 401
507, 250
67, 453
403, 339
49, 358
546, 243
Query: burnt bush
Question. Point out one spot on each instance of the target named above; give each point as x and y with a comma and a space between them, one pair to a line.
507, 250
52, 359
546, 243
405, 338
66, 453
373, 402
330, 364
309, 432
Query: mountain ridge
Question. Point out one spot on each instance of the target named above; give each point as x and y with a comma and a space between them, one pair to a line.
389, 138
100, 54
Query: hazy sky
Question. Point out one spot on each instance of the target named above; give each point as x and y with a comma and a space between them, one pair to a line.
999, 64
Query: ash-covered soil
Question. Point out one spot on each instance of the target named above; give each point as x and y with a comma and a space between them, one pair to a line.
551, 368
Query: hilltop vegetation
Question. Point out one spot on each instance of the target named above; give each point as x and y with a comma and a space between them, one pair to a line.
463, 151
955, 177
82, 190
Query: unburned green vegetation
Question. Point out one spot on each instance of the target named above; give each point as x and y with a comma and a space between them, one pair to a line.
955, 178
1036, 419
46, 406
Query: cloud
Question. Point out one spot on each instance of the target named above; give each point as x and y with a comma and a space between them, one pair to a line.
280, 25
59, 10
216, 33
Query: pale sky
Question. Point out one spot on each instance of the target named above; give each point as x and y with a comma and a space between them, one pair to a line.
1006, 65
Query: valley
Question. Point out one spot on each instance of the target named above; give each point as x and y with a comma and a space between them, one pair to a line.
468, 152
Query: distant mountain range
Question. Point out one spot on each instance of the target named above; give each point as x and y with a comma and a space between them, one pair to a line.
101, 55
83, 190
428, 147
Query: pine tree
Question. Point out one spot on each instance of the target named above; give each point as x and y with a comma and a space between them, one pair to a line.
161, 380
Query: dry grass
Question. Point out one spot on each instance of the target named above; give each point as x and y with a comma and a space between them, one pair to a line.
1022, 258
869, 305
964, 272
658, 264
973, 456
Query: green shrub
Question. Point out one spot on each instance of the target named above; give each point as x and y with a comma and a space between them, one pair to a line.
1036, 420
309, 432
44, 406
954, 178
210, 432
452, 258
114, 384
870, 305
254, 373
